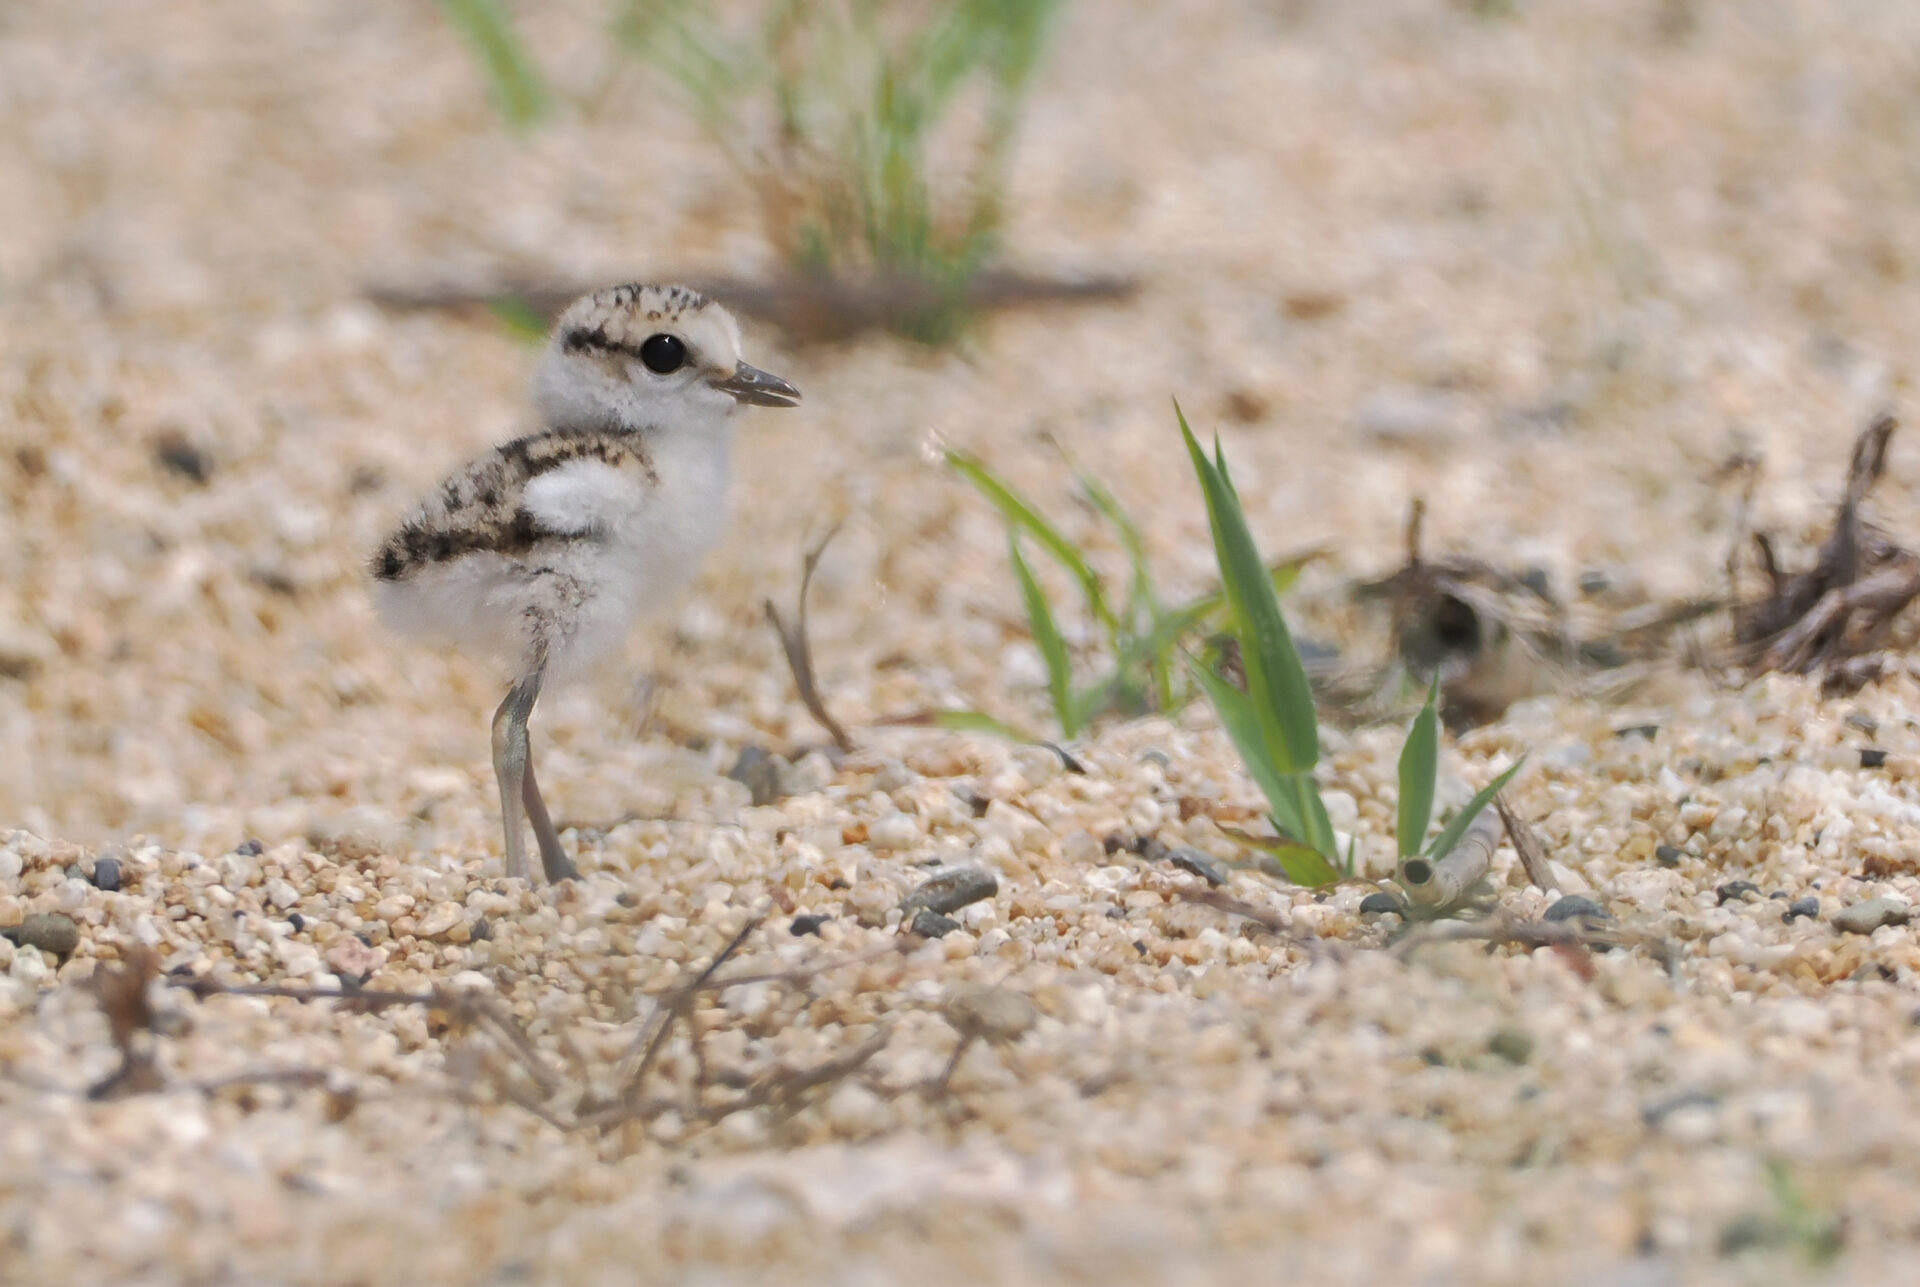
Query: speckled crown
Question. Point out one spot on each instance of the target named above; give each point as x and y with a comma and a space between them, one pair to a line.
625, 315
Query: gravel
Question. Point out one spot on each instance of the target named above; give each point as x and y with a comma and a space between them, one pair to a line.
1517, 251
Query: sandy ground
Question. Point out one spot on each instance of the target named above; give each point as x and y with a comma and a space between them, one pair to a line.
1551, 270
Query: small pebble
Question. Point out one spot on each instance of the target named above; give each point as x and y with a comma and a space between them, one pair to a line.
106, 874
931, 924
50, 932
759, 773
298, 922
250, 849
1865, 918
952, 889
352, 959
1379, 904
807, 924
176, 455
439, 920
1199, 863
998, 1014
1577, 905
1741, 889
1511, 1044
1668, 856
1808, 907
1872, 758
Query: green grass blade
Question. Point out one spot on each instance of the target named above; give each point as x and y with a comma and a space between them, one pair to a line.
521, 319
1303, 866
1140, 594
1419, 769
519, 91
1242, 724
1046, 633
1276, 681
1450, 834
1019, 512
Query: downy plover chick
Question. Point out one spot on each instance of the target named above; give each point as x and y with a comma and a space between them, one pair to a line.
542, 552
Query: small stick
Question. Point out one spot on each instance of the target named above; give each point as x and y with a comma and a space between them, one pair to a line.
1526, 843
799, 647
639, 1057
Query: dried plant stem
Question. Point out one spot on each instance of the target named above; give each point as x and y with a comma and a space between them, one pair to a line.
1437, 884
1533, 856
799, 647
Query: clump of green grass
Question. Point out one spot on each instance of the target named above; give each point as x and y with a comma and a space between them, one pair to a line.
519, 91
1138, 668
854, 121
860, 93
1274, 724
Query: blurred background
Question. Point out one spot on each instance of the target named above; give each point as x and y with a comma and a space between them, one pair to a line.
1580, 274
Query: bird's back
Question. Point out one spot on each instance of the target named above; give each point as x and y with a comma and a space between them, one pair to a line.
540, 543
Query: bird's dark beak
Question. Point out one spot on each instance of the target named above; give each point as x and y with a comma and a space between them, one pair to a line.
761, 388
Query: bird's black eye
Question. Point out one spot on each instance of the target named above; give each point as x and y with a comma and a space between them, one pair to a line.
663, 353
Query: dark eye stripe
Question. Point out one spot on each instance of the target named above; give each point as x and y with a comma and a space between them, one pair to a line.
584, 337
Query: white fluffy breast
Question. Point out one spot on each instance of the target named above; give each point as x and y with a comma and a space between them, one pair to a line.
584, 497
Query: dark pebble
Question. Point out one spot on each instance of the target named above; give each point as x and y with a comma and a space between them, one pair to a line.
1511, 1044
1067, 759
48, 931
1577, 905
1808, 907
250, 849
482, 930
1872, 758
952, 889
1379, 904
296, 920
1648, 731
1742, 889
1116, 913
1658, 1111
106, 874
810, 924
1668, 856
759, 773
178, 456
1594, 581
1200, 864
928, 923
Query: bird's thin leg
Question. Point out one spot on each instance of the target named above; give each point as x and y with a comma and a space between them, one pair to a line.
553, 859
510, 764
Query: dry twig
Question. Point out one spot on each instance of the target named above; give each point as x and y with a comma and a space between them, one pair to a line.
1845, 604
799, 647
1533, 856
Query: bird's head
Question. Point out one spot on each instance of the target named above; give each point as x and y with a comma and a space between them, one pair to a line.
649, 358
